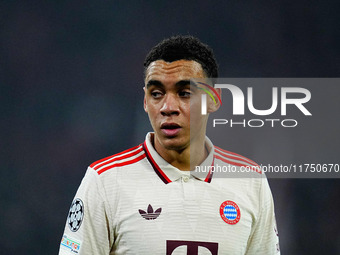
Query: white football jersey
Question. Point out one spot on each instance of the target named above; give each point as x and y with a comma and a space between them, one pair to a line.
135, 202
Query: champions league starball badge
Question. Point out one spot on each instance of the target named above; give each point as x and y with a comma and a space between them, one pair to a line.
230, 212
75, 215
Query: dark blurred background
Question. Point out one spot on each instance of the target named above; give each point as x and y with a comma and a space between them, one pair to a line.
71, 77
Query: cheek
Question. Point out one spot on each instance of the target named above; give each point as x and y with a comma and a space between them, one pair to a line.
152, 113
195, 107
196, 117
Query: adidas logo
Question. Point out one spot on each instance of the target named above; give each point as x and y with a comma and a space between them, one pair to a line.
150, 214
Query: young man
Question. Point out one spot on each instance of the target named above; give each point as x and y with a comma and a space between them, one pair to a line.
150, 199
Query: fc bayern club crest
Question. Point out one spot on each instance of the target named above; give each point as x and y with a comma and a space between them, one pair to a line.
75, 215
230, 212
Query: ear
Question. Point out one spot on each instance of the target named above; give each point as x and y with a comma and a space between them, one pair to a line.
214, 106
145, 105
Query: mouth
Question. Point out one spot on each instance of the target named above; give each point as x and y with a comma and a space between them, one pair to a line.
170, 129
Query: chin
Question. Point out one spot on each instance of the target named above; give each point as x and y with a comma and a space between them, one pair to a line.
173, 143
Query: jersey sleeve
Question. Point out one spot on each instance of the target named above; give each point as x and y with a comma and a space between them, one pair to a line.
264, 238
87, 229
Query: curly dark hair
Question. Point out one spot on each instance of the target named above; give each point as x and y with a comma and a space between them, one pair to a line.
184, 47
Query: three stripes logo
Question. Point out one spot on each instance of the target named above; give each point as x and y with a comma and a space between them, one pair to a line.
150, 214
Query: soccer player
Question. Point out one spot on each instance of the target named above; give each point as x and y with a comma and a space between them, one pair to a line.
152, 198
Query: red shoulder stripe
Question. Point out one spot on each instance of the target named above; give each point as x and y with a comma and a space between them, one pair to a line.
236, 156
125, 156
122, 164
115, 155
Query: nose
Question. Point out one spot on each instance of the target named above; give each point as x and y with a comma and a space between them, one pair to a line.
170, 105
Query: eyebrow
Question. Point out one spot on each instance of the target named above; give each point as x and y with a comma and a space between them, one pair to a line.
154, 83
157, 83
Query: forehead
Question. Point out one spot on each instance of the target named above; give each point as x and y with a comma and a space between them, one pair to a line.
173, 71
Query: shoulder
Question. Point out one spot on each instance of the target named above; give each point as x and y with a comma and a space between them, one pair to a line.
235, 159
122, 159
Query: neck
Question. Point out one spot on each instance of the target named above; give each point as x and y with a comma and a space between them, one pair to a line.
184, 159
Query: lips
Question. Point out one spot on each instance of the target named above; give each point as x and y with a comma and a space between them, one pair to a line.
170, 129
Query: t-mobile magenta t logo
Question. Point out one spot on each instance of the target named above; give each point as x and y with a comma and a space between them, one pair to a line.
192, 246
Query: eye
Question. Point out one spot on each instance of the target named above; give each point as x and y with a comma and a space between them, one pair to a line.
184, 93
156, 94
